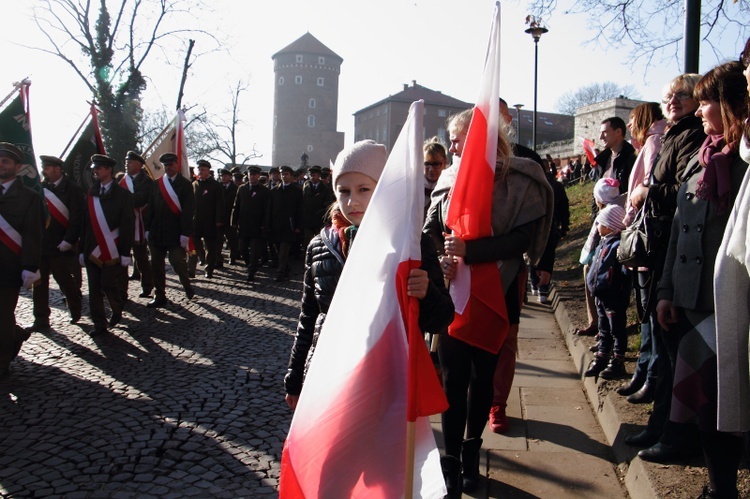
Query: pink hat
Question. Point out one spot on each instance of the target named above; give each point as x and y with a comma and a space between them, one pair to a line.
606, 190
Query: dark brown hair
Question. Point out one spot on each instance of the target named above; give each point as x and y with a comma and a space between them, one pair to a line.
727, 85
643, 117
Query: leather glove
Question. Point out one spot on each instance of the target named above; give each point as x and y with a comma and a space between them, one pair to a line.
29, 278
64, 246
81, 261
125, 261
184, 242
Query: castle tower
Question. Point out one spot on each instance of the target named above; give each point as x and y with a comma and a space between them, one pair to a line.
306, 103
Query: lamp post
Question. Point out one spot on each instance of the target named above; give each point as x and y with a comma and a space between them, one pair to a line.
518, 122
536, 30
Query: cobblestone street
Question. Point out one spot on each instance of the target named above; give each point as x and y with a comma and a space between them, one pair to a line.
175, 402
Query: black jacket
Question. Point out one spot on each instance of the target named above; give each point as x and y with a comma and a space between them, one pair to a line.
72, 197
165, 227
622, 165
249, 212
117, 205
323, 266
22, 208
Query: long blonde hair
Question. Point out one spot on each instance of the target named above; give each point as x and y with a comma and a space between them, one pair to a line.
459, 123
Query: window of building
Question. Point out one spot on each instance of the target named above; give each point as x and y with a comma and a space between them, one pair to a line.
281, 80
312, 104
321, 60
321, 81
309, 148
299, 57
275, 121
311, 121
298, 80
442, 113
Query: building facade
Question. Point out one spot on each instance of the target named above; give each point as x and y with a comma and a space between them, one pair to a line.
306, 92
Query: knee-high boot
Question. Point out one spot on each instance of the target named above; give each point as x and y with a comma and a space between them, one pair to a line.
452, 474
470, 461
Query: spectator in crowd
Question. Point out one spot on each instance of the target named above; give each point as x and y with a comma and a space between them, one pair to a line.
662, 440
647, 126
685, 306
435, 161
521, 218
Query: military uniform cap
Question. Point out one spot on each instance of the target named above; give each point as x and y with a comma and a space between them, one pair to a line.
235, 169
135, 156
11, 151
204, 163
168, 157
238, 174
274, 169
326, 169
315, 169
286, 168
224, 171
253, 169
51, 161
102, 160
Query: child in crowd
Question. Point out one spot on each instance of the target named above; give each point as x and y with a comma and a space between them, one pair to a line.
609, 282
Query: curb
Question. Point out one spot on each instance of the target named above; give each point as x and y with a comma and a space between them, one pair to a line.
638, 481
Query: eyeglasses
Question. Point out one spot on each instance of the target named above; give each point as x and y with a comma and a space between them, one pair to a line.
433, 164
680, 96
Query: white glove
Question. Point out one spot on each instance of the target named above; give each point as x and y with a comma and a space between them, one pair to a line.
64, 246
125, 261
29, 278
185, 242
146, 234
81, 261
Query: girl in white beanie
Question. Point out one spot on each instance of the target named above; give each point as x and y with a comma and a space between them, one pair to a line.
355, 176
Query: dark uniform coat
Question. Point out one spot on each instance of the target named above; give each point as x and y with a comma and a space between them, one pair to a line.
315, 203
142, 186
250, 210
22, 208
284, 213
117, 205
209, 207
230, 193
72, 197
164, 226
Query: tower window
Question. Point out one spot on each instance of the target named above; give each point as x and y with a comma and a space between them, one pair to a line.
321, 81
281, 80
321, 60
298, 80
299, 57
311, 121
312, 103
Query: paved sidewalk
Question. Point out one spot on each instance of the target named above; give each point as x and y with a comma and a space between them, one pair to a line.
555, 446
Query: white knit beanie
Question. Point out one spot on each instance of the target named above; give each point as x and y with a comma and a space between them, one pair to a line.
366, 157
606, 190
611, 216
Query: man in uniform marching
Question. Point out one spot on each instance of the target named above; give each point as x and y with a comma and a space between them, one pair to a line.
229, 233
65, 203
107, 241
316, 199
209, 218
21, 223
137, 181
249, 217
169, 227
284, 219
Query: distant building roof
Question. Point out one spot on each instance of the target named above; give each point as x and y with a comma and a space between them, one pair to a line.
414, 92
307, 44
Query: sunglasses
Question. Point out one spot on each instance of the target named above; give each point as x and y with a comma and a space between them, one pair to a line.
433, 164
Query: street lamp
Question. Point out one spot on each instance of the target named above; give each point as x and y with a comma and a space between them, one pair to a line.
536, 30
518, 122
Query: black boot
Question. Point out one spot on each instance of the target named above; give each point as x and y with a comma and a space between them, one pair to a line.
615, 369
644, 395
632, 386
470, 461
452, 474
597, 365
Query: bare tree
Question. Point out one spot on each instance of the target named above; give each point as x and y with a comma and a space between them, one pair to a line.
593, 93
106, 44
653, 30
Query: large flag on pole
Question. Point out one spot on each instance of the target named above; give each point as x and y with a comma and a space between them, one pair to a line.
481, 315
15, 127
588, 148
348, 433
171, 139
89, 142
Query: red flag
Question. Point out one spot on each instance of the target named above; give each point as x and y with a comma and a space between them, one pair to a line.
348, 434
481, 315
588, 148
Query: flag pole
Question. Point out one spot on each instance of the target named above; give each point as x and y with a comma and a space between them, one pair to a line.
75, 135
411, 428
16, 85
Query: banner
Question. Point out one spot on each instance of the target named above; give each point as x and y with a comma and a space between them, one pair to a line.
171, 139
15, 127
76, 164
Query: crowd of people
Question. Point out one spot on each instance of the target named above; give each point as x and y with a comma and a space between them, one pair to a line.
684, 171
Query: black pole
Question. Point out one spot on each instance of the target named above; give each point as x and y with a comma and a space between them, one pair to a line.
518, 125
692, 35
536, 71
184, 74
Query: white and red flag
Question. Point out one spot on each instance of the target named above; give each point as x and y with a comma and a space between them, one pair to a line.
371, 372
481, 315
588, 148
171, 139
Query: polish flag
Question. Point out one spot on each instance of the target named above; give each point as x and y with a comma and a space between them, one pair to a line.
481, 315
371, 372
588, 148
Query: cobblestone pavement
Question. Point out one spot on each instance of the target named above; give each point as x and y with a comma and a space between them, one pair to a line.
176, 402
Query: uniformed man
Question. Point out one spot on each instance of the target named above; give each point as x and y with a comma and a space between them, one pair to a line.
249, 217
169, 227
209, 218
21, 224
229, 232
316, 199
65, 204
274, 177
284, 218
237, 177
109, 225
137, 181
325, 175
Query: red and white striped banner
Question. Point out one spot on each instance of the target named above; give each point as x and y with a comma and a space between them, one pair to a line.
10, 236
57, 208
106, 239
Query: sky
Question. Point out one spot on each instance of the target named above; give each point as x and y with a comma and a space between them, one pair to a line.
385, 44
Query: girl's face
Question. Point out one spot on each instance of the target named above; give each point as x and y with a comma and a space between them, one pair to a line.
433, 167
709, 111
604, 230
353, 193
457, 142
